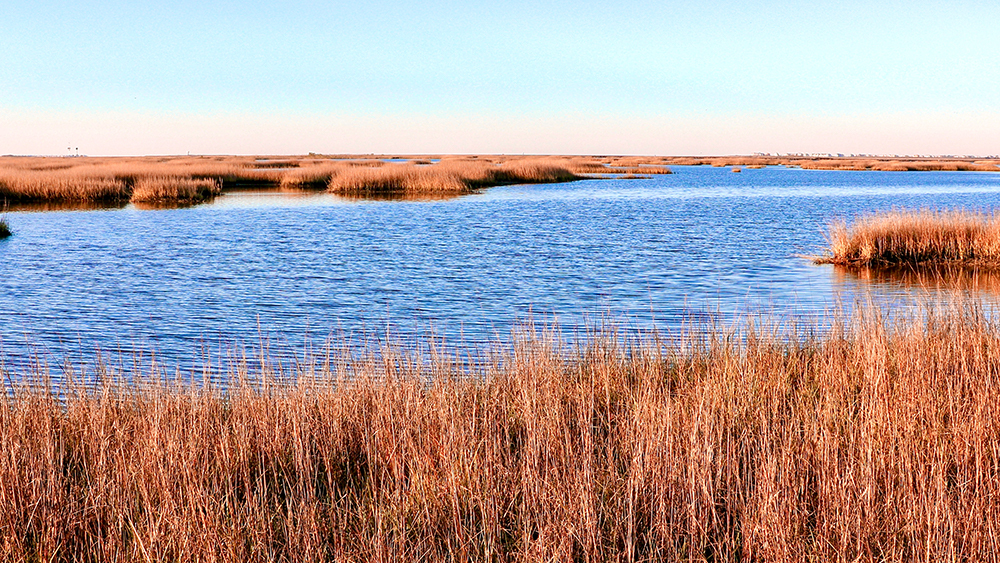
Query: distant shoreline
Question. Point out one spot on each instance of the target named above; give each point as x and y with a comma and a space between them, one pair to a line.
153, 180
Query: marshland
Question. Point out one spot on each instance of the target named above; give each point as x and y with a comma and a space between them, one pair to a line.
916, 238
876, 441
198, 179
496, 358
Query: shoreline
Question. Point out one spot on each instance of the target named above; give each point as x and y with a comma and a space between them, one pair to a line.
191, 180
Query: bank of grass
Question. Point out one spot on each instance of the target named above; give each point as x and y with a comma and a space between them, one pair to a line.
140, 179
454, 176
873, 442
193, 179
916, 238
115, 179
181, 190
885, 164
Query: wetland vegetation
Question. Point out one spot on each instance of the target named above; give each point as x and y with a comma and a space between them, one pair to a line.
874, 163
186, 180
871, 436
195, 179
874, 441
916, 238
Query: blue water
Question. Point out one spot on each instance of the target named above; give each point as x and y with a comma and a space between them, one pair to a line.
294, 269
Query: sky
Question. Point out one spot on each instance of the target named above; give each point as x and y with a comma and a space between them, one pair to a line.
135, 77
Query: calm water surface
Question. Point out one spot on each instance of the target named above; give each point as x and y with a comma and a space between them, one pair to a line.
302, 268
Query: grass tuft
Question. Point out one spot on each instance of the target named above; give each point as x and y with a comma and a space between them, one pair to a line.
910, 238
4, 228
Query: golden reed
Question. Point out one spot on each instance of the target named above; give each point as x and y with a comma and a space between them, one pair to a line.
911, 238
876, 441
886, 164
114, 179
194, 179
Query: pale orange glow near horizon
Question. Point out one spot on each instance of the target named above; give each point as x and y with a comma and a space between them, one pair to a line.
124, 133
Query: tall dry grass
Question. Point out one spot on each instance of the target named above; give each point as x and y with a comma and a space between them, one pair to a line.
154, 188
185, 179
453, 176
48, 185
888, 164
875, 442
110, 179
901, 237
397, 179
189, 179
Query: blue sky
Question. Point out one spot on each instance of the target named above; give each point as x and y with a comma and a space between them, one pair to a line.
119, 77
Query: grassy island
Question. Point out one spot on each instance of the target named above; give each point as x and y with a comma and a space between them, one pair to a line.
185, 180
876, 441
4, 229
916, 238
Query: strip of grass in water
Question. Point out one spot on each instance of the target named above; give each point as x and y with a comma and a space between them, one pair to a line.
875, 441
4, 229
915, 238
118, 179
195, 179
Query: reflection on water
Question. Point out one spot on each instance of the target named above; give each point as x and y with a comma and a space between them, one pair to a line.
247, 196
928, 278
444, 196
166, 205
66, 206
279, 198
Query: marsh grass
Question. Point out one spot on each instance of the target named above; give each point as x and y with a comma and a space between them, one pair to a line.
113, 180
626, 166
924, 237
887, 164
59, 185
28, 180
4, 228
876, 441
173, 189
452, 176
191, 179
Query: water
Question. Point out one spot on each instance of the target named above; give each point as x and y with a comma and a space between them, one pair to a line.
297, 269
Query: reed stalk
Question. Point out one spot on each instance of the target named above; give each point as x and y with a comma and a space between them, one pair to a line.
877, 441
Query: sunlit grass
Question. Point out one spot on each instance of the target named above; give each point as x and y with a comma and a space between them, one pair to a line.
889, 164
154, 189
900, 237
873, 442
114, 179
191, 179
453, 176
